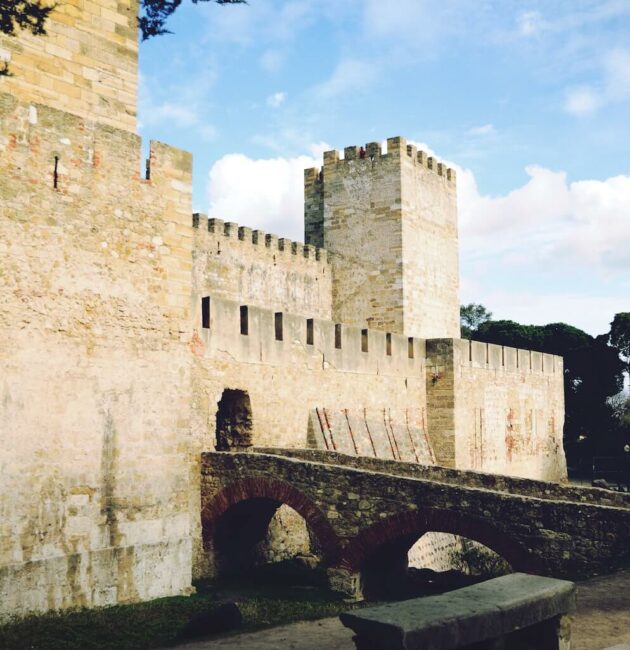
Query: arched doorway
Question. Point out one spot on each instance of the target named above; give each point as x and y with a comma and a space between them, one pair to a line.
234, 421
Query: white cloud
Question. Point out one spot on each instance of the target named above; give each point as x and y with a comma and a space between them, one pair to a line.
613, 87
482, 131
265, 193
549, 221
276, 99
350, 75
530, 23
582, 101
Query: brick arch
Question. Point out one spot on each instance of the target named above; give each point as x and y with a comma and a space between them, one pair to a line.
280, 491
415, 523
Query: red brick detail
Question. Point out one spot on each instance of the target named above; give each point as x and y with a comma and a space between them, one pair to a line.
280, 491
415, 523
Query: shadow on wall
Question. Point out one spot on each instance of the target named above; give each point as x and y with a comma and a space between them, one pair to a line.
234, 421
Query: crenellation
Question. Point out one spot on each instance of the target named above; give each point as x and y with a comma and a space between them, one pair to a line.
245, 234
216, 226
284, 245
230, 230
258, 237
351, 153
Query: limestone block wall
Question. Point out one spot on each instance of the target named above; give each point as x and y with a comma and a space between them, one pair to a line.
389, 223
430, 245
496, 409
260, 269
86, 64
95, 278
287, 378
362, 234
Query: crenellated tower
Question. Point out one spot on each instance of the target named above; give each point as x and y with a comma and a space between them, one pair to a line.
389, 223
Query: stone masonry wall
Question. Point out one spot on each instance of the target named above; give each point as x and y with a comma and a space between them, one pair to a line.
389, 224
286, 379
95, 386
259, 269
496, 409
86, 64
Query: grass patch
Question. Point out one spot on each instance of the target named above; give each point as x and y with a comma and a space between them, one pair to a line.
263, 603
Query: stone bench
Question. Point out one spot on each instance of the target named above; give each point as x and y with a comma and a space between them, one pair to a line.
513, 612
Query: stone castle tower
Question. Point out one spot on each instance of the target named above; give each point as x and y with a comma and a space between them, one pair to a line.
389, 224
135, 335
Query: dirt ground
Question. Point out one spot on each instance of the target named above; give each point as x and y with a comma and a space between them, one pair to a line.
602, 620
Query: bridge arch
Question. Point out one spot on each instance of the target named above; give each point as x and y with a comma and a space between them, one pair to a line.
248, 505
393, 537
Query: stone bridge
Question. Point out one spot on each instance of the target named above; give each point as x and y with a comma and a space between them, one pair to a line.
366, 512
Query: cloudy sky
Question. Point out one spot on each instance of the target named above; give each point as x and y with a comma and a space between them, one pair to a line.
530, 100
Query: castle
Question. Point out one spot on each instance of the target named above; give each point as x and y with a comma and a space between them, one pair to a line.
136, 335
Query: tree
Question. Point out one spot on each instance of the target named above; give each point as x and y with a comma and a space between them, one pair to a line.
31, 15
471, 316
620, 336
155, 13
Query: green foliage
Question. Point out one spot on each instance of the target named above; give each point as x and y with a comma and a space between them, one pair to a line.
471, 316
593, 373
160, 622
620, 336
155, 13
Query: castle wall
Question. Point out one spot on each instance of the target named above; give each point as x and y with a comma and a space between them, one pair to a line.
95, 277
86, 63
496, 409
260, 269
286, 379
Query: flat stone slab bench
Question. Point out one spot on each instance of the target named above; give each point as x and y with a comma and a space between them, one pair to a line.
516, 612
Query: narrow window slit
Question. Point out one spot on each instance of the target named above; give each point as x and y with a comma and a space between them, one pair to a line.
338, 336
388, 344
244, 320
205, 313
364, 340
56, 173
309, 331
278, 325
410, 347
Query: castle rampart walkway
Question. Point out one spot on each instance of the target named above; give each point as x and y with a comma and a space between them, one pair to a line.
356, 507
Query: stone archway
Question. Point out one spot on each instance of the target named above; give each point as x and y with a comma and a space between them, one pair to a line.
234, 423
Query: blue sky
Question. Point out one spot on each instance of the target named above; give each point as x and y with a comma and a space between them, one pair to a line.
531, 101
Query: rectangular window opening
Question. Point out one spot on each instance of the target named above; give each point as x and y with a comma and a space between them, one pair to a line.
56, 174
388, 344
309, 331
205, 313
410, 347
338, 336
244, 320
364, 340
278, 325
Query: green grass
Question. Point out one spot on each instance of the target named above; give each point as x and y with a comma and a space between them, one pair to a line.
160, 622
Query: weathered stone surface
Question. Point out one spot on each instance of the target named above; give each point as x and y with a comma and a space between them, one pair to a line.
489, 610
355, 513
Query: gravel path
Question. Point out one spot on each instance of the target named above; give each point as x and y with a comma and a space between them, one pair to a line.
602, 620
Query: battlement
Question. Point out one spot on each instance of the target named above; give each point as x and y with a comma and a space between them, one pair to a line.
475, 354
397, 148
256, 335
258, 238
